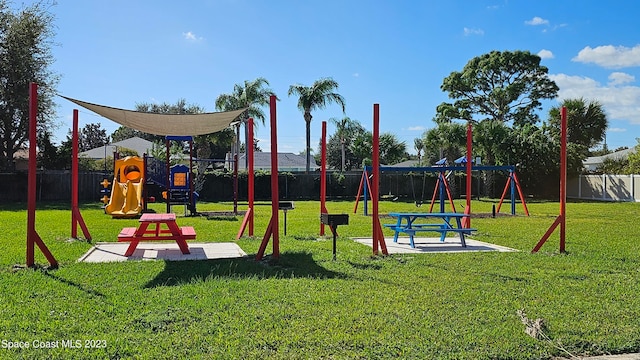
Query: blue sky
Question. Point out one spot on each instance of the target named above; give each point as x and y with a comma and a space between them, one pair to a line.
395, 53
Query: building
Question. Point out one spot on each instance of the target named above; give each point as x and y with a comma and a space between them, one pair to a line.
594, 162
286, 162
141, 146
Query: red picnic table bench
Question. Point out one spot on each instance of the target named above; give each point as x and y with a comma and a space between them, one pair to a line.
165, 228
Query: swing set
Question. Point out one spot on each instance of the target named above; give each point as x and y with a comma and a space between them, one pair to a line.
442, 185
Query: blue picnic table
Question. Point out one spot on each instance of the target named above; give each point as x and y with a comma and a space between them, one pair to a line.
441, 222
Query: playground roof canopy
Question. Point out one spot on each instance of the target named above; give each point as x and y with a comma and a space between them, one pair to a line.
166, 124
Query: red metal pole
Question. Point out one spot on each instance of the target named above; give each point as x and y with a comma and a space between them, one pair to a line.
76, 217
192, 202
250, 177
168, 186
235, 172
563, 176
274, 224
31, 182
74, 176
323, 173
378, 239
376, 172
32, 236
275, 197
469, 153
561, 219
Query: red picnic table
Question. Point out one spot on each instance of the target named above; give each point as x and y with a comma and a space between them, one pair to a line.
165, 228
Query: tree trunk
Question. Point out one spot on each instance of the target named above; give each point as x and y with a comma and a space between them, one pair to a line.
307, 119
343, 155
489, 177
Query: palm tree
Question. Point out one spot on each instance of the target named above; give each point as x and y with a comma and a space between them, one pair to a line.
344, 130
418, 144
586, 121
316, 96
252, 95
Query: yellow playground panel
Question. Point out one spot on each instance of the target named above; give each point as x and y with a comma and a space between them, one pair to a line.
126, 194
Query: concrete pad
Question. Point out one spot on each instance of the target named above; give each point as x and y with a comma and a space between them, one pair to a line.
113, 252
434, 245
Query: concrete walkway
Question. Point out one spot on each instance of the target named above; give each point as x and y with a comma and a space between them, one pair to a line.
113, 252
434, 245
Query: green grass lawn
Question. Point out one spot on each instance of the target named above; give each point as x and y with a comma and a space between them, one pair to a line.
446, 306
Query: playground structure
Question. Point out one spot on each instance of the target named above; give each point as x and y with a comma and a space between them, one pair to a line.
442, 186
133, 175
179, 180
126, 198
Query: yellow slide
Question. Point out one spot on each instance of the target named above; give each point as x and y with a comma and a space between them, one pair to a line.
126, 192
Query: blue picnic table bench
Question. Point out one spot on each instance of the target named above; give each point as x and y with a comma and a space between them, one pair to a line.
407, 224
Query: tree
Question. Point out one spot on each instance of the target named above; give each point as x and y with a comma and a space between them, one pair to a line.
503, 86
345, 128
49, 156
634, 160
316, 96
447, 139
124, 133
351, 158
586, 121
252, 95
392, 150
92, 136
25, 56
493, 89
418, 144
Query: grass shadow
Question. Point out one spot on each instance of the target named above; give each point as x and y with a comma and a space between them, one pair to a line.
74, 285
290, 264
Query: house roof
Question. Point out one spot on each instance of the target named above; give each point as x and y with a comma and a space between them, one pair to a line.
285, 161
618, 155
407, 163
140, 145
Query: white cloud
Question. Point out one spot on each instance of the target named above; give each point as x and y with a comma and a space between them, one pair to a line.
619, 102
356, 74
616, 129
416, 128
537, 21
469, 31
189, 36
610, 56
620, 78
545, 54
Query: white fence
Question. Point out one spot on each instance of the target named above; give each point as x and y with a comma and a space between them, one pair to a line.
605, 187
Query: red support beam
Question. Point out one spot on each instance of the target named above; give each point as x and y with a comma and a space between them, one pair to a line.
248, 216
32, 236
250, 176
273, 228
378, 236
563, 177
76, 217
468, 190
561, 219
235, 172
323, 174
524, 203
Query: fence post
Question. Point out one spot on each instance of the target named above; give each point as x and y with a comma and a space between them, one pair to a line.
580, 186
